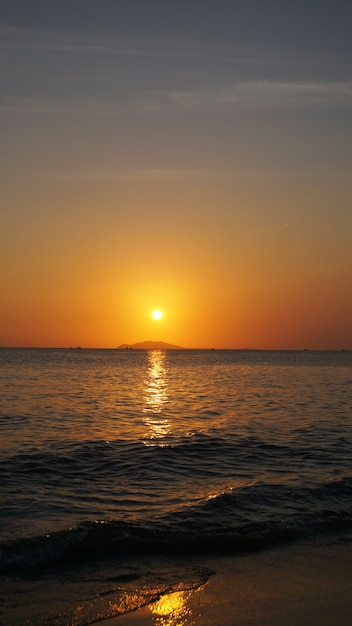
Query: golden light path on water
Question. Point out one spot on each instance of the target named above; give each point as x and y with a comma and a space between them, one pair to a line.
170, 609
156, 398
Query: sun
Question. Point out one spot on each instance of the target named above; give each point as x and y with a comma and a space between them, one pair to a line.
157, 314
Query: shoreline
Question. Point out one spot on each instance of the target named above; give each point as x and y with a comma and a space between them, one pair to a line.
296, 584
303, 583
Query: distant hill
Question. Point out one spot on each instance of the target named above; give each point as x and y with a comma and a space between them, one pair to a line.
149, 345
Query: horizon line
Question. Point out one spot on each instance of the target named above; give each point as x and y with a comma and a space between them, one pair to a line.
178, 348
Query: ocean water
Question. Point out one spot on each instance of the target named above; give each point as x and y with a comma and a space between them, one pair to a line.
113, 455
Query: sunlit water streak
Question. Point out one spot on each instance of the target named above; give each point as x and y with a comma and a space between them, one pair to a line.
156, 398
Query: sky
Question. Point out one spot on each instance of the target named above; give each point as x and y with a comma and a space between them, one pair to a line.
193, 157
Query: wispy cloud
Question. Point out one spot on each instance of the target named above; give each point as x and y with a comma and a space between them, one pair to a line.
16, 42
263, 95
29, 40
157, 174
177, 174
62, 106
144, 76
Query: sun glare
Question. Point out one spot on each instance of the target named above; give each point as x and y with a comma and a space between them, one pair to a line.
157, 315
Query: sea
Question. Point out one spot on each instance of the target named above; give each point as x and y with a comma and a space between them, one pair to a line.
118, 466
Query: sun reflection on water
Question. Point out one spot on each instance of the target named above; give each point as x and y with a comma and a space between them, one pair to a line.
156, 398
171, 609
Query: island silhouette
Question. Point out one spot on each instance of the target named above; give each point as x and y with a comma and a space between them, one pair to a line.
149, 345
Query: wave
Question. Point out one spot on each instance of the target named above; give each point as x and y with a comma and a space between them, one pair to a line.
204, 450
247, 519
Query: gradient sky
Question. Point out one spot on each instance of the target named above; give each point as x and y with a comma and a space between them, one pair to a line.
189, 156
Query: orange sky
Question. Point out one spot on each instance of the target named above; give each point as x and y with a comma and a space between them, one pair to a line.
154, 166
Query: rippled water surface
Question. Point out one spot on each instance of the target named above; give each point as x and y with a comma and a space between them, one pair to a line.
173, 441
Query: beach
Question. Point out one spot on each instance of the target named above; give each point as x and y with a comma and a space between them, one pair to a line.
306, 583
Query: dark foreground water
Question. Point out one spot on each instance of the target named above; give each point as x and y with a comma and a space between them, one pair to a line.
108, 455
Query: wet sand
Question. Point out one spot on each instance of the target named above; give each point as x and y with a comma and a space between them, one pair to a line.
303, 584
